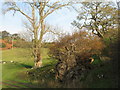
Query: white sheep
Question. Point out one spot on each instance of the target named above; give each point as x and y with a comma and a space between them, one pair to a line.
12, 61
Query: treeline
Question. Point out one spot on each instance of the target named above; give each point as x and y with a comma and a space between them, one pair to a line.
14, 39
19, 40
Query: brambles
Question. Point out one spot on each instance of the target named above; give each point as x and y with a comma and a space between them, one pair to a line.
73, 51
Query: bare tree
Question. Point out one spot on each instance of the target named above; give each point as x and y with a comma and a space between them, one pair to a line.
39, 10
26, 35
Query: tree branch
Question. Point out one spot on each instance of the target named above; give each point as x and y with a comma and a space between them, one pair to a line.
49, 12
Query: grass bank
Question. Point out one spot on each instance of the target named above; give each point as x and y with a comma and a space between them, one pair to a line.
17, 62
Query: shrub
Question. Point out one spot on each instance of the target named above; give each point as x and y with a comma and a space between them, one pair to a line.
110, 38
79, 44
22, 44
47, 44
75, 50
2, 45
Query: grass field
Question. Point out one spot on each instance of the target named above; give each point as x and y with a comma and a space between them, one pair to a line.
14, 74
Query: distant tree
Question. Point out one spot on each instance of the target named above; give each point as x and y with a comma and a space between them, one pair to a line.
5, 34
97, 17
22, 44
15, 36
26, 35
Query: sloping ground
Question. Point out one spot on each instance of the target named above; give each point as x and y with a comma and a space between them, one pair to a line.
16, 77
15, 74
8, 46
18, 62
21, 62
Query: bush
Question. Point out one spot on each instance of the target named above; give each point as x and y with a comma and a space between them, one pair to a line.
74, 51
79, 44
22, 44
110, 38
47, 44
2, 45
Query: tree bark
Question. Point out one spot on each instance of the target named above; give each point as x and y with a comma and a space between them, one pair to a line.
37, 55
38, 61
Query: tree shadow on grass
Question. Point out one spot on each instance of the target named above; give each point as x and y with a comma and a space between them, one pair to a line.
26, 66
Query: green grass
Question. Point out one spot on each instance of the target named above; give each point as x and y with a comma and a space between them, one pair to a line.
23, 61
19, 55
14, 74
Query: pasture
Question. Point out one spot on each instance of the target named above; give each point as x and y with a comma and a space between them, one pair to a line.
16, 62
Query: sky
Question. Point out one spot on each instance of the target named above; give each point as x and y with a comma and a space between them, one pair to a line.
61, 18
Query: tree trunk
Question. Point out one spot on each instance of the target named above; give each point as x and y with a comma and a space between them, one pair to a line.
37, 54
38, 59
